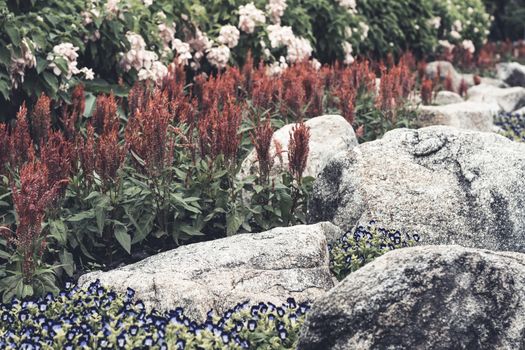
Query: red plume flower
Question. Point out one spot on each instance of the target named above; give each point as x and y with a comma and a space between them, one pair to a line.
298, 149
41, 120
262, 140
31, 199
426, 91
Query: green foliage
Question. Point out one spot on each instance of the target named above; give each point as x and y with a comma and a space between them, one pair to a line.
508, 19
377, 122
472, 17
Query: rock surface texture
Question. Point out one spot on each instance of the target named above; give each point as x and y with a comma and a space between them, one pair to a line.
508, 99
511, 73
429, 297
270, 266
329, 135
449, 185
465, 115
447, 98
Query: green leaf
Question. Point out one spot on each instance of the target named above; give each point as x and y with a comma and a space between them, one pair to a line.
100, 215
61, 63
51, 81
233, 223
88, 214
13, 33
90, 104
123, 237
41, 65
58, 231
66, 258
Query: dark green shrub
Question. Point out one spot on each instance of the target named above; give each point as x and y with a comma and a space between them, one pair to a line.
508, 19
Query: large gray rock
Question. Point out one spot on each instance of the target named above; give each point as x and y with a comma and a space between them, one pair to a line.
447, 97
508, 99
430, 297
520, 111
329, 135
449, 185
512, 73
269, 266
445, 69
465, 115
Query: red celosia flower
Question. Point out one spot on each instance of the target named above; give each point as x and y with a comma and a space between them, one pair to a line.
86, 154
218, 131
41, 120
463, 87
148, 135
449, 84
248, 73
360, 131
262, 140
105, 117
422, 69
72, 113
477, 80
267, 91
110, 156
31, 200
57, 154
426, 91
21, 146
298, 149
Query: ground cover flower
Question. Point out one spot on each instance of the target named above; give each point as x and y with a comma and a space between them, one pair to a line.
95, 317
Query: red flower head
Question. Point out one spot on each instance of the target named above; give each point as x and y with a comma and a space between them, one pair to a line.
21, 146
105, 118
110, 157
41, 120
298, 149
262, 140
426, 91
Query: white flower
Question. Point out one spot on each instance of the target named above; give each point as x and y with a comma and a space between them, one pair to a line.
349, 5
455, 35
156, 72
469, 46
446, 44
348, 49
316, 64
280, 35
88, 73
299, 49
348, 32
183, 52
67, 52
364, 30
167, 34
457, 26
200, 43
277, 68
275, 9
147, 3
229, 36
435, 22
20, 63
112, 6
250, 17
219, 56
63, 87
